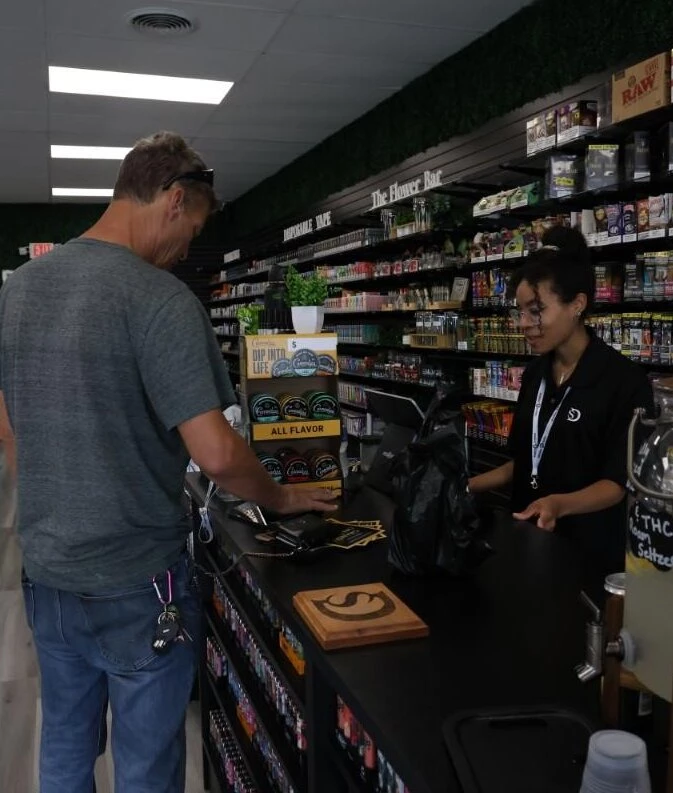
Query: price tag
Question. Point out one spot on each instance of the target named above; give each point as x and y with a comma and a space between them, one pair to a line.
314, 343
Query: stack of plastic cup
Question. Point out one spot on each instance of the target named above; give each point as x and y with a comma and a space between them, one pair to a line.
616, 763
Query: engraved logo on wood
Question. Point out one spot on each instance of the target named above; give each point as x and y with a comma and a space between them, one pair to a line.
356, 606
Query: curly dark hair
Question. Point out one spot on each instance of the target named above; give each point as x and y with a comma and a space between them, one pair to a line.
564, 262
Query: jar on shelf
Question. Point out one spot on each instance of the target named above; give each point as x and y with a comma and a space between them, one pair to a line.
388, 220
422, 214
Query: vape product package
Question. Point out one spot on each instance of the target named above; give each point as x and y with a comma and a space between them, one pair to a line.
563, 175
601, 218
614, 217
664, 150
541, 133
657, 336
637, 157
658, 215
629, 221
643, 208
608, 283
633, 281
649, 275
601, 166
575, 120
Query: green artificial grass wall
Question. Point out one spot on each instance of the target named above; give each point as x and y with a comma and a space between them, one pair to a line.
544, 48
24, 223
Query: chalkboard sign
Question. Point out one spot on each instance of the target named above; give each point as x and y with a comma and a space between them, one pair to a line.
651, 536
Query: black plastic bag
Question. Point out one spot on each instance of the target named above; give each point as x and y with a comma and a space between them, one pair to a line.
436, 527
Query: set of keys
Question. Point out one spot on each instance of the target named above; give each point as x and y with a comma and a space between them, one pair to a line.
169, 627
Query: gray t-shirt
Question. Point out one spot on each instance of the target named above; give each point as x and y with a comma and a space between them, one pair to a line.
102, 356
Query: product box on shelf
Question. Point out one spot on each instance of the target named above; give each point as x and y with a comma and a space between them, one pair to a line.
575, 120
637, 157
664, 150
541, 133
563, 175
601, 166
608, 283
641, 88
633, 281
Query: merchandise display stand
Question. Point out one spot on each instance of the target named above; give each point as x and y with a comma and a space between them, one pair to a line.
290, 401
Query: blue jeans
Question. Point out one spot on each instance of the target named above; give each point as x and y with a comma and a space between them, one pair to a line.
94, 648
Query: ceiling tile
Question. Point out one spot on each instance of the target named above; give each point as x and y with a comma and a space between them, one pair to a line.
84, 52
126, 119
243, 159
253, 5
338, 36
23, 65
220, 26
23, 120
27, 15
251, 92
475, 15
287, 67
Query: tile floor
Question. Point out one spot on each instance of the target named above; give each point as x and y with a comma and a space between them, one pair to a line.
20, 716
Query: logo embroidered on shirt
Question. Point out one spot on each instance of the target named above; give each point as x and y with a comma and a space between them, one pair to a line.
574, 415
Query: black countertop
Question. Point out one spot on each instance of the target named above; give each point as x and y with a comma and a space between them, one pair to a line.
509, 636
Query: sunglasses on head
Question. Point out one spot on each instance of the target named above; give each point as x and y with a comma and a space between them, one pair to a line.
205, 176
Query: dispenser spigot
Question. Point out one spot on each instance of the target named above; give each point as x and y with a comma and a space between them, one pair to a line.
593, 663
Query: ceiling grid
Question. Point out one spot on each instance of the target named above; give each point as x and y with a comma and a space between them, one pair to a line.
302, 69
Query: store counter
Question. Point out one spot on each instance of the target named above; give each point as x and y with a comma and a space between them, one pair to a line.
509, 636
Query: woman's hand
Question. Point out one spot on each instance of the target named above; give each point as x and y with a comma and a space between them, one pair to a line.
601, 495
547, 510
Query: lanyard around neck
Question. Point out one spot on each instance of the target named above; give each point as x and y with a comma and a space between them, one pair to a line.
538, 444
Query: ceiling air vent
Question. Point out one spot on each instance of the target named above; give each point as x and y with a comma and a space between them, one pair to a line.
160, 22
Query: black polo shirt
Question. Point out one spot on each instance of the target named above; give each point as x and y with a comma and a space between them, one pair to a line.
587, 443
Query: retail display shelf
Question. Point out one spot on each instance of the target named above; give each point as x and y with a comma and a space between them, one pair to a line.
395, 277
346, 769
265, 714
250, 275
230, 353
215, 767
477, 355
250, 757
501, 394
287, 675
375, 379
219, 301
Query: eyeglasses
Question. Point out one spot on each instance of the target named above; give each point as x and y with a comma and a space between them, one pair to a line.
205, 176
533, 314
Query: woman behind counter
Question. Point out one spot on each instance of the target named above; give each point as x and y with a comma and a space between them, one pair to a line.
568, 440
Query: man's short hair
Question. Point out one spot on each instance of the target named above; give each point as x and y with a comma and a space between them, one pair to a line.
155, 161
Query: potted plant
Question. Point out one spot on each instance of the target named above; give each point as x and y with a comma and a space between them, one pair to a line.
248, 320
306, 297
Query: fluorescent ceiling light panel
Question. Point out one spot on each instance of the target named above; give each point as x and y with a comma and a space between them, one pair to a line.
65, 80
89, 152
82, 192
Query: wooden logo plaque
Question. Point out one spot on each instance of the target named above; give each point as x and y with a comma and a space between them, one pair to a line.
352, 616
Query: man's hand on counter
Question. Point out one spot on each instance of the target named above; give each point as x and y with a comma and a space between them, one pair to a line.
314, 499
224, 456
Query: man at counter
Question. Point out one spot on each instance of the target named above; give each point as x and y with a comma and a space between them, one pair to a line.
112, 379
